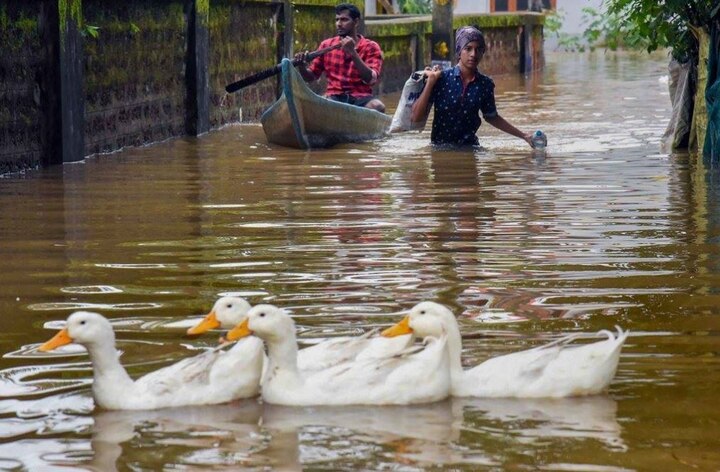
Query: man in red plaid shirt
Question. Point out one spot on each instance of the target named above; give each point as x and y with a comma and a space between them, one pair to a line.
353, 68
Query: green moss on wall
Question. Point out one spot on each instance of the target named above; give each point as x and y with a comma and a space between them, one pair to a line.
403, 27
312, 24
17, 29
22, 61
202, 8
499, 20
70, 9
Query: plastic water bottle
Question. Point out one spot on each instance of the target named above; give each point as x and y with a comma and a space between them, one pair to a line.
539, 140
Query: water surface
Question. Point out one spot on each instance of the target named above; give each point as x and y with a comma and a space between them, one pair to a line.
604, 229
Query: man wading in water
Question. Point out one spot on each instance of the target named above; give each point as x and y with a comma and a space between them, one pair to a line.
459, 94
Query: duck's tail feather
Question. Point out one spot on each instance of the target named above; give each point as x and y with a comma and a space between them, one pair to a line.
618, 337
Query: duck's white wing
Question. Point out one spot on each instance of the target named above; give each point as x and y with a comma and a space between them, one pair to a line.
380, 347
557, 369
214, 376
417, 374
193, 370
334, 352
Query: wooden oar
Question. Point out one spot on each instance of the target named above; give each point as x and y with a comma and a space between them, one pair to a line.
251, 79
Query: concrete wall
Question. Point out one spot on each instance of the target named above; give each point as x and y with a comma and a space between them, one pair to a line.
133, 66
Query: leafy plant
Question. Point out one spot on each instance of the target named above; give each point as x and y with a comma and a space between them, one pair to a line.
610, 30
664, 24
418, 7
567, 42
91, 31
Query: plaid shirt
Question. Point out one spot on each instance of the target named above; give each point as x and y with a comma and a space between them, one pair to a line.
342, 75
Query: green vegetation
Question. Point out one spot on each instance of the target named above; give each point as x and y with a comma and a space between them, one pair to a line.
90, 31
418, 7
638, 24
667, 23
602, 29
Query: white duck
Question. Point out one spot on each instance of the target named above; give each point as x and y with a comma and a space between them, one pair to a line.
226, 313
418, 375
214, 376
556, 369
229, 312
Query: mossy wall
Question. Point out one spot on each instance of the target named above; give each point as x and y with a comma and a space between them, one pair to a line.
134, 66
21, 62
243, 40
504, 36
311, 24
406, 44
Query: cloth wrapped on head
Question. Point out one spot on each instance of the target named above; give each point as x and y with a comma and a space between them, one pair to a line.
465, 35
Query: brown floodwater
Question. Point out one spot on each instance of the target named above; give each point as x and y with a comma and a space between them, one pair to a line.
604, 229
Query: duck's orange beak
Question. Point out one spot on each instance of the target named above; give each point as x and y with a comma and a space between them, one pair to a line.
60, 339
403, 327
209, 322
240, 331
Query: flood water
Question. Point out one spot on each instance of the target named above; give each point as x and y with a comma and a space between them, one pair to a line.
603, 230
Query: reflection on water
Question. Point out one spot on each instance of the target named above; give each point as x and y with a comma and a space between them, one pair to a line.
453, 432
600, 230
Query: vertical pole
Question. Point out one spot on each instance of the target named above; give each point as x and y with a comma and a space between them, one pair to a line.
526, 49
197, 76
288, 28
443, 39
418, 44
414, 59
61, 84
284, 35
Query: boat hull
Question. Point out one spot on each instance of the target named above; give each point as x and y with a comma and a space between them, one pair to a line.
302, 119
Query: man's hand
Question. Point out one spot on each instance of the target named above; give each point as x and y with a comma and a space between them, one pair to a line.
301, 57
348, 45
528, 139
433, 73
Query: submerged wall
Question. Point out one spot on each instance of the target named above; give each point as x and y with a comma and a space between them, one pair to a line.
21, 60
134, 84
514, 44
79, 77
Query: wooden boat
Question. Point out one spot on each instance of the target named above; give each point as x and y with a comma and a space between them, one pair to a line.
302, 119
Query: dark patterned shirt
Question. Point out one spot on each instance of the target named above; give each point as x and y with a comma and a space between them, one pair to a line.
457, 118
342, 75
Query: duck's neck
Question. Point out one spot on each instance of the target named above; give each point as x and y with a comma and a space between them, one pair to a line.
455, 351
106, 365
282, 354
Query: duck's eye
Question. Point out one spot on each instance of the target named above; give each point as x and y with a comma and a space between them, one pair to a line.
262, 315
83, 322
229, 305
422, 312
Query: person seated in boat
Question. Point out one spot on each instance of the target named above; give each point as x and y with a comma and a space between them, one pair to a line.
352, 69
459, 94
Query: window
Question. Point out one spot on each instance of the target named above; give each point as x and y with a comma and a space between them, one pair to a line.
501, 5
